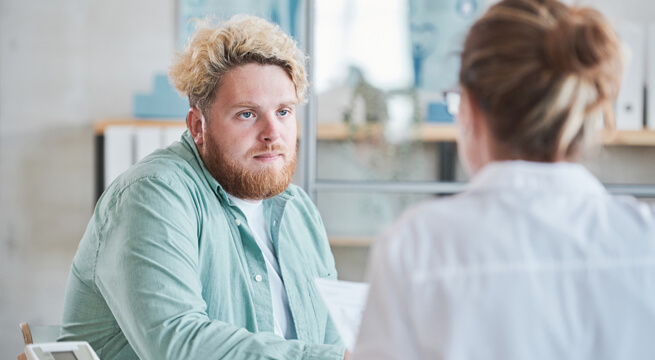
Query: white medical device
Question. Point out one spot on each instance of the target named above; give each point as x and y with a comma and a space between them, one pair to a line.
71, 350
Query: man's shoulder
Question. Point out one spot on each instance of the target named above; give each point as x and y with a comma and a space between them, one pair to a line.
166, 166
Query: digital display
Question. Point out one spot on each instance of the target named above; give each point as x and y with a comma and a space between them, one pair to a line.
63, 355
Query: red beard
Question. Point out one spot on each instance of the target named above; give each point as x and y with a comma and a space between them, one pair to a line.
243, 183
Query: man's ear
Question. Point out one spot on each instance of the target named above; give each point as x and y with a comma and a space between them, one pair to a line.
194, 121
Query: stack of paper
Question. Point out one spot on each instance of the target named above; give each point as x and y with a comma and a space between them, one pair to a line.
345, 301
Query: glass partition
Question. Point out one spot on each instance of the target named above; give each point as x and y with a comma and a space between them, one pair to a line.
380, 72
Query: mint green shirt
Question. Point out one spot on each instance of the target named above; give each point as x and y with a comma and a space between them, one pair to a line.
168, 269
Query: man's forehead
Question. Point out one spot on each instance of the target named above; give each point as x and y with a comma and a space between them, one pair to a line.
255, 84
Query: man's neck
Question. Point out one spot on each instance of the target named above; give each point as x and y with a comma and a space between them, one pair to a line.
246, 201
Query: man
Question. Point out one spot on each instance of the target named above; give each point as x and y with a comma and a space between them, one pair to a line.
204, 250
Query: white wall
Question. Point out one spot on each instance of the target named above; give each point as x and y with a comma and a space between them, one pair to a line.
63, 65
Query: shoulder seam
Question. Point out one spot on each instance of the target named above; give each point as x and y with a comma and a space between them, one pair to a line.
112, 202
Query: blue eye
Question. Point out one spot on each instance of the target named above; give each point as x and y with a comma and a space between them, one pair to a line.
283, 112
246, 115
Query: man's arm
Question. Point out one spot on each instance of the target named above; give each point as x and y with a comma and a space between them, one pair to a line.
148, 273
331, 334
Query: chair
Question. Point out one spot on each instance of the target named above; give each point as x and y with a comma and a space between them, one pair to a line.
42, 334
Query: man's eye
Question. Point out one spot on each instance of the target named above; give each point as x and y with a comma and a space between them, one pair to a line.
283, 112
246, 115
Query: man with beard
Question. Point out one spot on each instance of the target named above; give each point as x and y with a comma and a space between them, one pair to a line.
204, 250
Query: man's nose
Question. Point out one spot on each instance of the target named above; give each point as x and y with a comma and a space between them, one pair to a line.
271, 127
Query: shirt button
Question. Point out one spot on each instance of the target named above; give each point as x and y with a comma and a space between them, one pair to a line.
236, 221
274, 222
258, 278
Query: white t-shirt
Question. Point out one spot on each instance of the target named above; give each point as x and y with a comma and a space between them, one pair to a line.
532, 261
254, 212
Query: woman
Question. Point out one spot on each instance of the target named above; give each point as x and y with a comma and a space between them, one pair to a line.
535, 260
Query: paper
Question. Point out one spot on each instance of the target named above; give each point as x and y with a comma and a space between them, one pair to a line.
119, 151
345, 301
650, 122
147, 140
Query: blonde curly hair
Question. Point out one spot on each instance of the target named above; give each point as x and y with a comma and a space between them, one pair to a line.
213, 51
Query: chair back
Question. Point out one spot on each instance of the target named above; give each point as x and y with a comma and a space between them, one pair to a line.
38, 334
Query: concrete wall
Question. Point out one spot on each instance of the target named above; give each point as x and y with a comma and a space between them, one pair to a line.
63, 65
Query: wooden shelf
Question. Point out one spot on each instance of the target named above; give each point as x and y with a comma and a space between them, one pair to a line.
100, 126
423, 132
436, 133
351, 241
629, 138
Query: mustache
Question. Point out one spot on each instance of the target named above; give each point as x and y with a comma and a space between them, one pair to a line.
278, 148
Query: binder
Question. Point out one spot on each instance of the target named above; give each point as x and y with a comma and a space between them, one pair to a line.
147, 140
630, 101
650, 109
119, 151
171, 134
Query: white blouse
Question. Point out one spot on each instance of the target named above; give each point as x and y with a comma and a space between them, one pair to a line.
533, 261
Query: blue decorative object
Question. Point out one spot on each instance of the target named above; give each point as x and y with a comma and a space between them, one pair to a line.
466, 8
437, 32
438, 112
294, 5
423, 43
282, 12
162, 102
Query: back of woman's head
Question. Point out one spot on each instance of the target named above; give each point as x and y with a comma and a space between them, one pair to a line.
544, 74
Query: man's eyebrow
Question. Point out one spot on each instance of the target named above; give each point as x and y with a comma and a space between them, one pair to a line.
245, 105
288, 103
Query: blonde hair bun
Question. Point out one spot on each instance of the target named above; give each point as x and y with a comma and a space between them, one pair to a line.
580, 43
545, 73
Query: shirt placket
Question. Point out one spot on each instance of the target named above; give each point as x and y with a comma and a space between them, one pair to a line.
257, 274
274, 210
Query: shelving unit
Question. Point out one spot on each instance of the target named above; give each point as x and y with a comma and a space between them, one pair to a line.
424, 132
429, 133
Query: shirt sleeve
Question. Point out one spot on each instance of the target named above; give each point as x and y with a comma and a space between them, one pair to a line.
386, 331
331, 334
148, 272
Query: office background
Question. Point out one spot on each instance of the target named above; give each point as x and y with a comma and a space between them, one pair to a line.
66, 64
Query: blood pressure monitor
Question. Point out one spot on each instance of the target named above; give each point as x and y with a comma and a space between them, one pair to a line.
71, 350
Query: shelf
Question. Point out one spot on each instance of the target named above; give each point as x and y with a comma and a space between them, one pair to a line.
351, 241
629, 138
423, 132
100, 126
437, 133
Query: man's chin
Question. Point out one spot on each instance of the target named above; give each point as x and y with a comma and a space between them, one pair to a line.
271, 167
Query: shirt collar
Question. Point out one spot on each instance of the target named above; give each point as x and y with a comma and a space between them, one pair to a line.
215, 186
536, 176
